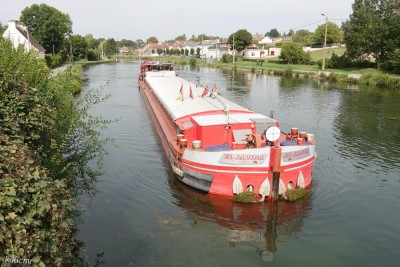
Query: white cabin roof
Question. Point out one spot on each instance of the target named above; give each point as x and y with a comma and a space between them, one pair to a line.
166, 86
209, 120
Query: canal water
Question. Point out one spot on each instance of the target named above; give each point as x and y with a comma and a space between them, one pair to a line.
143, 216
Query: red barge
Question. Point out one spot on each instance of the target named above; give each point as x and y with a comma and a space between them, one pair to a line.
218, 146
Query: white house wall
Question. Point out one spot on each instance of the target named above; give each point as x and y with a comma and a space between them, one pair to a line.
17, 39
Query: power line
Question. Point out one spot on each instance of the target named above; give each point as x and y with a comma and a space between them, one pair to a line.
301, 27
312, 23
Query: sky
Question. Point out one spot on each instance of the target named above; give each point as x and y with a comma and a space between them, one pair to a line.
167, 19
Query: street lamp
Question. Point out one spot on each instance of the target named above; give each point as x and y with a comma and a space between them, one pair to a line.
326, 33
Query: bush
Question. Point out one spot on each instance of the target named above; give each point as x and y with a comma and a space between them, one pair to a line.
276, 61
92, 55
54, 61
192, 62
238, 58
340, 62
382, 81
46, 143
328, 63
293, 53
343, 61
260, 62
226, 58
393, 63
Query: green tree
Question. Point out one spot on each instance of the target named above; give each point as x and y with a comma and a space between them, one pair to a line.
240, 40
373, 29
79, 46
181, 37
334, 34
303, 37
202, 37
140, 43
91, 41
2, 29
293, 53
47, 25
393, 62
152, 40
198, 50
273, 33
110, 47
127, 43
92, 55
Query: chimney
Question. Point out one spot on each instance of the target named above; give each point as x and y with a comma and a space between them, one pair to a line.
12, 23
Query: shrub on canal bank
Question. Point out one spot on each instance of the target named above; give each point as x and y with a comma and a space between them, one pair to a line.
46, 141
381, 80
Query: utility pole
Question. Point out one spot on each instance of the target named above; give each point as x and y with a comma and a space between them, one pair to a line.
29, 42
72, 56
326, 33
102, 51
233, 46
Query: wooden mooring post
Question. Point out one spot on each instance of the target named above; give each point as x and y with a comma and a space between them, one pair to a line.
276, 153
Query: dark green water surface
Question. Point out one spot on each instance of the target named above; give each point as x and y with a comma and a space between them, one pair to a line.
142, 216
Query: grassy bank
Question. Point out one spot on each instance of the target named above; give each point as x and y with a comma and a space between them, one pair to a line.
369, 77
363, 76
70, 78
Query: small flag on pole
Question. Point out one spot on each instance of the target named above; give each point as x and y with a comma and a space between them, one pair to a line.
191, 93
205, 92
180, 97
214, 91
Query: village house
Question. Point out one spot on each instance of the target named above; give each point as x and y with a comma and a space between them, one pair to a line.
124, 50
255, 52
19, 35
266, 41
265, 47
204, 46
217, 50
151, 49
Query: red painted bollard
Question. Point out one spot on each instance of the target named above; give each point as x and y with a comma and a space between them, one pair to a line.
276, 153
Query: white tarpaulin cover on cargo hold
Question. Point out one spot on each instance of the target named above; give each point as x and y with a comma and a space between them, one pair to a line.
166, 86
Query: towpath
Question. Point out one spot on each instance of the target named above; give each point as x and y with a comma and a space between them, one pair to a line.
58, 70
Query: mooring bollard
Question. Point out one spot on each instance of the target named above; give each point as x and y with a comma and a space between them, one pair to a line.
276, 153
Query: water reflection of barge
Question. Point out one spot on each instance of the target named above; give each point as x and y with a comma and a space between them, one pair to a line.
218, 146
264, 224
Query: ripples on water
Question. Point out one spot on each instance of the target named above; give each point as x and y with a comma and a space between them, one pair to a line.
143, 216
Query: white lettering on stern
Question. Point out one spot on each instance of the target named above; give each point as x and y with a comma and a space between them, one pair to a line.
295, 155
242, 159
